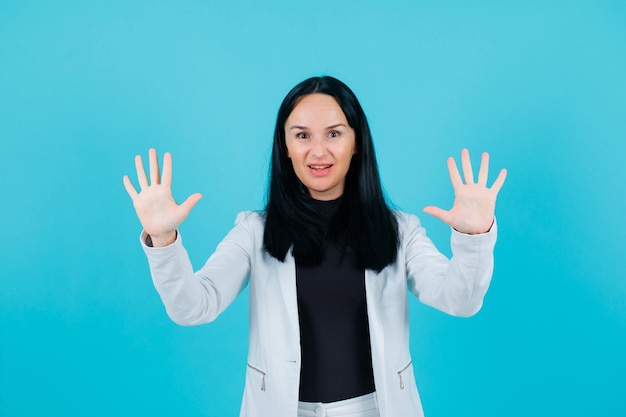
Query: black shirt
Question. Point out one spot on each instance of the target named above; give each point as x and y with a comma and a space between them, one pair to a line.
334, 330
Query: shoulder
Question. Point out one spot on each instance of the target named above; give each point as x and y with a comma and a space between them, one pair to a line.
250, 217
410, 228
246, 233
406, 221
253, 221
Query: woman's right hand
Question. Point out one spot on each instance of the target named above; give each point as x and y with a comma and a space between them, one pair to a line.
158, 213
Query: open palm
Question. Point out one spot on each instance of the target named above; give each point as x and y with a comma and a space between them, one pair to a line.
474, 203
158, 213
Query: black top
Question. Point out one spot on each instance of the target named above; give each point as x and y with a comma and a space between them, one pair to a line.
334, 331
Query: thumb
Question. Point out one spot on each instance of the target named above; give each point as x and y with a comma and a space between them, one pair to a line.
437, 212
190, 202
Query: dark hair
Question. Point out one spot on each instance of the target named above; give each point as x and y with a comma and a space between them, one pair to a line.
363, 223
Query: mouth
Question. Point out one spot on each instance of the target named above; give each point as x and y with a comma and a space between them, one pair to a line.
320, 170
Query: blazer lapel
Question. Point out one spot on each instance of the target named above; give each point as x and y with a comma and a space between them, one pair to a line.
287, 277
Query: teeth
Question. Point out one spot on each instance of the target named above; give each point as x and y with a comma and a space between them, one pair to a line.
319, 166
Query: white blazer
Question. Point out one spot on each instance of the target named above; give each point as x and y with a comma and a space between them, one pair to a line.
455, 286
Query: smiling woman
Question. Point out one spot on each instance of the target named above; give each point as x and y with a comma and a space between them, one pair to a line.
320, 144
329, 264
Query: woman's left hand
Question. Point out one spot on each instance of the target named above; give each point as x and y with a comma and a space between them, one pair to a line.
474, 203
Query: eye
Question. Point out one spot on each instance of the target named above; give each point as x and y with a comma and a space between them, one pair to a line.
334, 134
302, 135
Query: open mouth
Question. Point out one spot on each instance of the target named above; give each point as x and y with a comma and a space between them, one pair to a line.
320, 170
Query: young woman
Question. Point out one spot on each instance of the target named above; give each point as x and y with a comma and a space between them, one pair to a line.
328, 263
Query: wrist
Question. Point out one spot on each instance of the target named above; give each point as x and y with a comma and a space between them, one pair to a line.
476, 231
159, 241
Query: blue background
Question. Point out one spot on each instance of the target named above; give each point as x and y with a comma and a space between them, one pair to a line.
84, 86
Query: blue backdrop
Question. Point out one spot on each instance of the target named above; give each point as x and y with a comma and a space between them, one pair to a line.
84, 86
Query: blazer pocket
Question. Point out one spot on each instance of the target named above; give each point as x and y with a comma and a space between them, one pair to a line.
404, 373
257, 374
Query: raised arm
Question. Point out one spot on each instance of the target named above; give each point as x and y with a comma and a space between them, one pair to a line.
158, 213
457, 286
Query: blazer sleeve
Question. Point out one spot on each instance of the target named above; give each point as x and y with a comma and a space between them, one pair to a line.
455, 286
196, 298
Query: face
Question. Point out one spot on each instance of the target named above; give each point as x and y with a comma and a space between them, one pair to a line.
320, 144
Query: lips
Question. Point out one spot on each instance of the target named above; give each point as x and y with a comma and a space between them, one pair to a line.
320, 170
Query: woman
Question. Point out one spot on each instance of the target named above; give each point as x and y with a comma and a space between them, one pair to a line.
328, 263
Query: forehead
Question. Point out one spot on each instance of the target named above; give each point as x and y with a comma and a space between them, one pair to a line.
315, 109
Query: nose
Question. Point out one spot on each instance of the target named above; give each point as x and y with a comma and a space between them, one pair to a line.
318, 148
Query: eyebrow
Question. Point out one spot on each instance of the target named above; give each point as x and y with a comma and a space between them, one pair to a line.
329, 127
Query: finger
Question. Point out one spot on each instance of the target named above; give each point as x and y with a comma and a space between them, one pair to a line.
130, 189
438, 213
166, 177
484, 170
190, 202
497, 184
141, 173
154, 167
467, 167
455, 177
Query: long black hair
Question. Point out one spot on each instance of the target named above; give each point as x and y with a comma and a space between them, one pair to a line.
362, 224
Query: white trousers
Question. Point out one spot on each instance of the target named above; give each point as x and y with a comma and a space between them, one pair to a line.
364, 406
